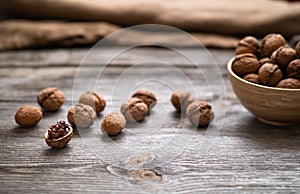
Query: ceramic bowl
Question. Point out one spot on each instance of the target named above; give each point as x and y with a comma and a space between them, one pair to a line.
271, 105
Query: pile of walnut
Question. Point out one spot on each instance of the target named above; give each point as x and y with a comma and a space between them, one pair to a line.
91, 104
270, 62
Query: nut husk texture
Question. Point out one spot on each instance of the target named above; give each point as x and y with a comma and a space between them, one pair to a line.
28, 116
283, 56
297, 49
94, 100
113, 123
181, 99
59, 135
244, 64
249, 44
134, 109
293, 69
270, 43
147, 97
81, 115
200, 113
51, 99
269, 74
289, 83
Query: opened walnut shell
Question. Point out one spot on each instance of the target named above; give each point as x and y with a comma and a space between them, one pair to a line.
200, 113
59, 135
147, 97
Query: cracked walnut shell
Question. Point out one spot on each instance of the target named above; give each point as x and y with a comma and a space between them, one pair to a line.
59, 135
181, 99
81, 115
94, 100
28, 116
51, 99
134, 109
113, 123
147, 97
200, 113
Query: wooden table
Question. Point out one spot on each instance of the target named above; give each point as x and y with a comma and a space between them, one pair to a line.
163, 154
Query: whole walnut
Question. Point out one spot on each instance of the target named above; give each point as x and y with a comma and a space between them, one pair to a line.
28, 116
244, 64
249, 44
283, 56
297, 49
200, 113
147, 97
270, 43
113, 123
134, 109
252, 77
264, 60
94, 100
51, 99
269, 74
81, 115
293, 69
181, 99
289, 83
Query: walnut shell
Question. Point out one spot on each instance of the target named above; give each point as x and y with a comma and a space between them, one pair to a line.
113, 123
293, 69
297, 49
269, 74
264, 60
270, 43
249, 44
200, 113
51, 99
289, 83
81, 115
28, 116
94, 100
283, 56
181, 99
252, 77
134, 109
147, 97
59, 135
244, 64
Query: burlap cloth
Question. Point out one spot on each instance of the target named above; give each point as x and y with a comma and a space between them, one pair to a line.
80, 22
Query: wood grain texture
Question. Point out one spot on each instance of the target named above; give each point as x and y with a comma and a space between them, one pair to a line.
238, 154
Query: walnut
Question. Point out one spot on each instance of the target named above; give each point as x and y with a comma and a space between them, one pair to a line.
94, 100
200, 113
297, 49
28, 116
81, 115
134, 109
59, 135
113, 123
264, 60
249, 44
147, 97
244, 64
181, 99
270, 43
51, 99
293, 69
283, 56
290, 83
252, 77
269, 74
